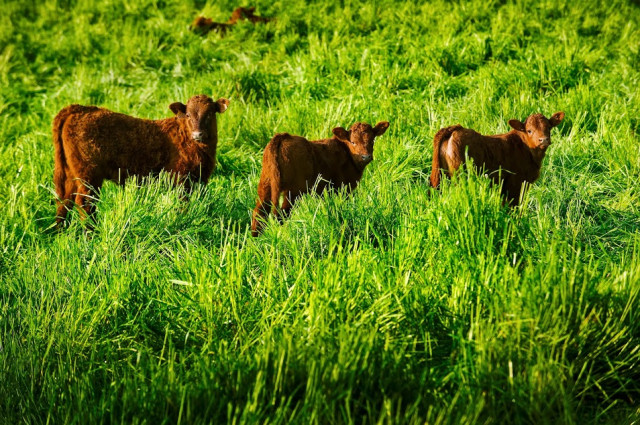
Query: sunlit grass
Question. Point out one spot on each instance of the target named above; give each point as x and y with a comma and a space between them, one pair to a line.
397, 304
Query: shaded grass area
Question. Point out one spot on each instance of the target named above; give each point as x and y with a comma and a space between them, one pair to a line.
394, 305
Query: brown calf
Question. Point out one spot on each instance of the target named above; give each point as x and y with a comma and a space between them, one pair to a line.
92, 144
203, 25
242, 13
518, 153
291, 165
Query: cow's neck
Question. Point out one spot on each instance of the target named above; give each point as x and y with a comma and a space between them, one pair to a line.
534, 158
537, 157
535, 154
351, 167
212, 136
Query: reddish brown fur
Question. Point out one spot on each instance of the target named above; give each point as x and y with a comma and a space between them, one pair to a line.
291, 166
92, 144
242, 13
203, 25
518, 153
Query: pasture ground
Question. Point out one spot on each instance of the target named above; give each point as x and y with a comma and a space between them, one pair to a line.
395, 305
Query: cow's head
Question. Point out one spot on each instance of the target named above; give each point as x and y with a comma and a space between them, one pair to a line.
536, 129
359, 140
200, 114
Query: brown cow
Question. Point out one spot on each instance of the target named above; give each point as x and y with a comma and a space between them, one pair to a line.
291, 166
242, 13
518, 153
203, 25
92, 144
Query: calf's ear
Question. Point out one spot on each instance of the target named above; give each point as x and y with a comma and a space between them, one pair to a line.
556, 119
341, 134
223, 104
178, 108
380, 128
517, 125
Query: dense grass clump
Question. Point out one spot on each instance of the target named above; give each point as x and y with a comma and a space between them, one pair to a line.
394, 305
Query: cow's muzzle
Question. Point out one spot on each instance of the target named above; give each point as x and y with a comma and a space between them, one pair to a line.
366, 158
197, 135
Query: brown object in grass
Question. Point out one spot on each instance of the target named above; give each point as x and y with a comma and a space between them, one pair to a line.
94, 144
248, 13
203, 25
292, 165
518, 153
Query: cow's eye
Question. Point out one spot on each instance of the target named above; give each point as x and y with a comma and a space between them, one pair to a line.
529, 131
188, 115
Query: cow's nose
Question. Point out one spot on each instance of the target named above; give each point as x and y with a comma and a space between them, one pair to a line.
366, 158
544, 141
196, 135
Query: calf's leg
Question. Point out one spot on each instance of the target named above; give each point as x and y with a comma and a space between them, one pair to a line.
511, 192
84, 201
66, 193
287, 204
263, 207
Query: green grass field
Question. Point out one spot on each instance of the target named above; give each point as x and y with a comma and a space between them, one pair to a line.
394, 305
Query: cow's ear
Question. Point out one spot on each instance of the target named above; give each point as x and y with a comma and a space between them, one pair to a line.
178, 108
517, 125
341, 134
380, 128
556, 118
223, 104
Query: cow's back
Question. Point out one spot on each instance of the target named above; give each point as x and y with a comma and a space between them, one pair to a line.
297, 162
101, 144
508, 153
489, 153
461, 141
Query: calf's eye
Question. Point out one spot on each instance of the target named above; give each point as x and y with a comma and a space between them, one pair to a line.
529, 131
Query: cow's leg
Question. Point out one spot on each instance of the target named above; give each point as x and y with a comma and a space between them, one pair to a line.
289, 198
65, 202
516, 192
263, 207
511, 192
285, 209
84, 201
260, 215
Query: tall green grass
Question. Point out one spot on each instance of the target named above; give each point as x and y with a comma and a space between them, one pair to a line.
394, 305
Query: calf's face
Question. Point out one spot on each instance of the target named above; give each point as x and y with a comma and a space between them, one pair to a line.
360, 139
536, 129
200, 113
